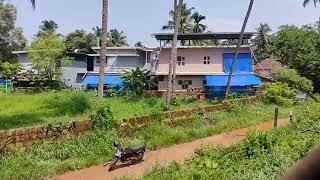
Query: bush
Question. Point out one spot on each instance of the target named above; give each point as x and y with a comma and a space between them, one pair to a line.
69, 102
103, 117
278, 93
293, 79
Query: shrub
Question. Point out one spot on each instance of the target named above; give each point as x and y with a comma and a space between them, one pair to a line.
293, 79
69, 102
278, 93
103, 117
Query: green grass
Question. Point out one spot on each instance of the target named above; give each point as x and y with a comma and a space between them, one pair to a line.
260, 156
55, 158
22, 110
28, 110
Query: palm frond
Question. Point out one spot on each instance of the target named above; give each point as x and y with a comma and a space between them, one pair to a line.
33, 3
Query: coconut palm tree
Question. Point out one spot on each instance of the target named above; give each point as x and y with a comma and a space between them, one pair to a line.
306, 2
103, 51
198, 27
177, 13
185, 24
117, 38
238, 47
263, 39
48, 27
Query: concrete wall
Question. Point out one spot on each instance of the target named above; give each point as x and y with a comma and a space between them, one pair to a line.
197, 82
73, 73
194, 58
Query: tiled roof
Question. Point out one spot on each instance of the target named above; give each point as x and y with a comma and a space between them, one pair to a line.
269, 64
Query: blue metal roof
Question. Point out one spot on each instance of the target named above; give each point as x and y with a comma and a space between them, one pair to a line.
109, 79
237, 80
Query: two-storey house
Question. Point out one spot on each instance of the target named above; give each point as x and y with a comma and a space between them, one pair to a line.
206, 66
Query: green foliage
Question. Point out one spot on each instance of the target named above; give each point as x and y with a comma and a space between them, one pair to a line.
103, 117
117, 38
47, 55
47, 27
46, 160
259, 156
262, 41
278, 93
12, 38
293, 79
70, 102
9, 70
136, 80
81, 41
298, 48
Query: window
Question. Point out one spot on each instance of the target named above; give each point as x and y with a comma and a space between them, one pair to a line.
181, 61
185, 83
161, 78
206, 60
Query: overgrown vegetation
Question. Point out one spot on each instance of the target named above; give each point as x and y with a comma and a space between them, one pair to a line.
259, 156
20, 110
96, 147
278, 93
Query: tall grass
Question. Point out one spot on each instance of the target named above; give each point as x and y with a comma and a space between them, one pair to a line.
259, 156
96, 147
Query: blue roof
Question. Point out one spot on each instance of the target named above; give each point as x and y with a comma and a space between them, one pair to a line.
2, 81
237, 80
109, 79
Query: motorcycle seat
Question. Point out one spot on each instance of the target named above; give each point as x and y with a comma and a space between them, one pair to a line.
141, 147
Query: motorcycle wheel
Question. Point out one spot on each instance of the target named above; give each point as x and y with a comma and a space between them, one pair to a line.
112, 164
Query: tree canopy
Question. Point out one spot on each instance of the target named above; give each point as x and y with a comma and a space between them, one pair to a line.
299, 48
47, 53
48, 27
81, 41
9, 70
11, 37
117, 38
262, 41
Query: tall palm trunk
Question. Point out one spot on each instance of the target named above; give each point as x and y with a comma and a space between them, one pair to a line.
238, 47
174, 50
103, 51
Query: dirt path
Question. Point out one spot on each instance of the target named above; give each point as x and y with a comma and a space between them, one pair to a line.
164, 156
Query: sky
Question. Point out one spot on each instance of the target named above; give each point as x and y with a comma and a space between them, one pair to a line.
139, 19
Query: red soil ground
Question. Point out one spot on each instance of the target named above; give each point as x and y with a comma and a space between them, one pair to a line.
164, 156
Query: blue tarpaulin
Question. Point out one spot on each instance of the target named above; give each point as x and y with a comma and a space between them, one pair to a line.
109, 79
237, 80
243, 63
2, 81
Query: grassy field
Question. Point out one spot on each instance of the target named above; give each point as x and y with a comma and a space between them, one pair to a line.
21, 110
96, 147
259, 156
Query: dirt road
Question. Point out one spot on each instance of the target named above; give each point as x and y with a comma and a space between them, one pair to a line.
163, 156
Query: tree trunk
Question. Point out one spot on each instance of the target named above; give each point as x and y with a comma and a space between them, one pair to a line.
238, 47
103, 50
173, 59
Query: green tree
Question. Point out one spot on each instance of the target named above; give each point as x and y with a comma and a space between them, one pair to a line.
198, 27
80, 41
293, 79
262, 41
139, 44
238, 46
136, 80
11, 37
185, 24
47, 55
47, 27
306, 2
97, 32
299, 48
117, 38
9, 70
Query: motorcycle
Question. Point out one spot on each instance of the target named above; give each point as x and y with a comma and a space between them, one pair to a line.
127, 155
